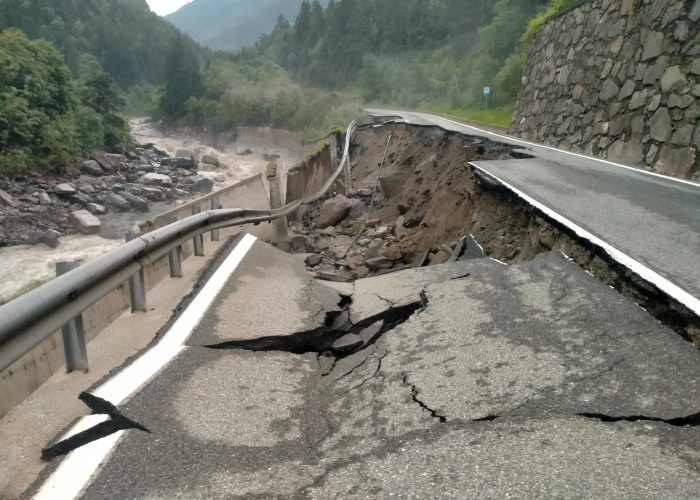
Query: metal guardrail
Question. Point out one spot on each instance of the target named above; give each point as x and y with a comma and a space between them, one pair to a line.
31, 318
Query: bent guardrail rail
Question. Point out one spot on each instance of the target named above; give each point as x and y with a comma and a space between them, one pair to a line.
31, 318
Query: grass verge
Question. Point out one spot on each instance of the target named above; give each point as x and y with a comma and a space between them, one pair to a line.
500, 116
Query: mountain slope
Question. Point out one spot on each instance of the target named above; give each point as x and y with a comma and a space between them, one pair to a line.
232, 24
126, 38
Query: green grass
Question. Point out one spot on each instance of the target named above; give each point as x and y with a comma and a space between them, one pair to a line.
554, 7
500, 116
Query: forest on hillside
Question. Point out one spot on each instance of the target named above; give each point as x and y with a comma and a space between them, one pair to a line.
123, 36
431, 55
309, 75
406, 51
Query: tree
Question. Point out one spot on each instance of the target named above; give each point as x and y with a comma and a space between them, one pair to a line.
183, 79
37, 103
98, 93
46, 117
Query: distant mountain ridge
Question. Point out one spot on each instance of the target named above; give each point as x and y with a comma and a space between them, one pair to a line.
232, 24
126, 38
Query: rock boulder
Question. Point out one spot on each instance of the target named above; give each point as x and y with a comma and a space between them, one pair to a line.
91, 167
211, 160
201, 184
6, 199
179, 162
116, 201
333, 211
186, 153
85, 222
136, 202
153, 179
64, 189
96, 209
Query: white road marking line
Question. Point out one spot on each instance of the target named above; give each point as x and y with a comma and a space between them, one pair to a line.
630, 263
75, 471
551, 148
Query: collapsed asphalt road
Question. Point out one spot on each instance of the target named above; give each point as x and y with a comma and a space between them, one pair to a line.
532, 380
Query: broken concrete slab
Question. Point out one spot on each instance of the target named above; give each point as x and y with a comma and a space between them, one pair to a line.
537, 328
379, 293
346, 289
270, 294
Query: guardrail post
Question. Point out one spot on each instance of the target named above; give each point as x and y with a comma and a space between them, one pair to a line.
74, 345
198, 241
137, 285
215, 205
174, 255
175, 262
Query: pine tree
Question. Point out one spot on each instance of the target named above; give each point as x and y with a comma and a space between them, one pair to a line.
183, 79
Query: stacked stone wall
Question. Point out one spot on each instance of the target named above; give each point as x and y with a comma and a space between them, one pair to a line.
618, 79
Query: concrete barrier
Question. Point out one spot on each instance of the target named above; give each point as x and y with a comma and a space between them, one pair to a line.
311, 173
27, 374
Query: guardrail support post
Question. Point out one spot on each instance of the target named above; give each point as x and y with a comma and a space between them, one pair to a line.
137, 285
175, 261
215, 205
137, 292
198, 241
74, 345
174, 255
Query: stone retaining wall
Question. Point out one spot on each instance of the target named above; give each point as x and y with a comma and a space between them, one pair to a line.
618, 79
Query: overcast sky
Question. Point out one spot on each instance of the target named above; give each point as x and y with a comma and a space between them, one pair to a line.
164, 7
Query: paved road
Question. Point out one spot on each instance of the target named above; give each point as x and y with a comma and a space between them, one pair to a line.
465, 380
654, 220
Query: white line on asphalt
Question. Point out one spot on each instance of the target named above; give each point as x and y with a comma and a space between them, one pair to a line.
77, 468
499, 261
640, 269
520, 141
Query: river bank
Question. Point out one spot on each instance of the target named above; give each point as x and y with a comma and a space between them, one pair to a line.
25, 266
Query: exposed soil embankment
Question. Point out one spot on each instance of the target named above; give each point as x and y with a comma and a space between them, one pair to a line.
428, 204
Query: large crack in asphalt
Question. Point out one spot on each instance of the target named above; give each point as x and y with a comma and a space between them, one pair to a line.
116, 422
687, 421
338, 338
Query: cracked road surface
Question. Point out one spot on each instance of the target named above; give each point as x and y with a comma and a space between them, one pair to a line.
511, 381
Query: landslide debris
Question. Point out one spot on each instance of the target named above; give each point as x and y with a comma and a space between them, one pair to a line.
431, 206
